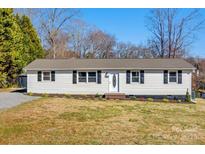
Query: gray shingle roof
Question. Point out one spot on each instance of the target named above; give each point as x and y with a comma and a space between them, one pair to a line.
77, 64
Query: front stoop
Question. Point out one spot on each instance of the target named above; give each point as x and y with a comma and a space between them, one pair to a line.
115, 96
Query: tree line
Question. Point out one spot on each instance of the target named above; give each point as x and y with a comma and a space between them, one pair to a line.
27, 34
64, 34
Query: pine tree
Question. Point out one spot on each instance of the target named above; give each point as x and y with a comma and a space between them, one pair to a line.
11, 47
19, 45
31, 42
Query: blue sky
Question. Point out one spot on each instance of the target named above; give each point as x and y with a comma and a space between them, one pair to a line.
129, 25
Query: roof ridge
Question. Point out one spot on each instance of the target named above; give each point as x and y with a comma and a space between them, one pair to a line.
111, 59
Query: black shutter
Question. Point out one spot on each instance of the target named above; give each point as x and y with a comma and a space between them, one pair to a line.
142, 76
179, 76
39, 76
74, 77
128, 77
52, 75
99, 77
165, 77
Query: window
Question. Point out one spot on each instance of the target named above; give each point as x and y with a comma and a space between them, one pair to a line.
91, 76
135, 76
39, 76
172, 77
82, 77
46, 76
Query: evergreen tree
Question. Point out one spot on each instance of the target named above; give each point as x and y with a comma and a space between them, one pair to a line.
31, 42
11, 47
19, 45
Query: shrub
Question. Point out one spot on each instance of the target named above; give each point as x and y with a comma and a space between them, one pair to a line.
132, 97
198, 94
67, 95
166, 97
45, 95
165, 100
188, 97
179, 100
97, 95
30, 94
150, 99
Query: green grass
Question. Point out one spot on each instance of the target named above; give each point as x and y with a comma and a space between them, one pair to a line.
52, 120
87, 114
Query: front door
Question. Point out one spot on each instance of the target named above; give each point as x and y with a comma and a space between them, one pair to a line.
113, 82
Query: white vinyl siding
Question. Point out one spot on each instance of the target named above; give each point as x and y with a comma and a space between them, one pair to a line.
64, 84
153, 84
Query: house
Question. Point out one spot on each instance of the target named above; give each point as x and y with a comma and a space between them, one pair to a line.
142, 77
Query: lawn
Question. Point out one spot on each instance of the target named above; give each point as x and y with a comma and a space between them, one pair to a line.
77, 121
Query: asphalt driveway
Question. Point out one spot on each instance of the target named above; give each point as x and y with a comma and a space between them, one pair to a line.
11, 99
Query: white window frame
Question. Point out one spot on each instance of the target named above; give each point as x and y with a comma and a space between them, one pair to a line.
78, 76
176, 76
95, 76
43, 76
86, 77
137, 71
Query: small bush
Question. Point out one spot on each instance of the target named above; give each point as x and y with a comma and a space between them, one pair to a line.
198, 94
97, 95
67, 95
30, 94
179, 100
45, 95
133, 97
166, 97
165, 100
188, 97
150, 99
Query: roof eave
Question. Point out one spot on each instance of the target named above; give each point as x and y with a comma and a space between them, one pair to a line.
37, 69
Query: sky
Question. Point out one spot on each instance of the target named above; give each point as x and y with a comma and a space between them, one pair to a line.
128, 25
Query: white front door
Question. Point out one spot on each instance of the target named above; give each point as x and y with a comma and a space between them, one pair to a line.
113, 82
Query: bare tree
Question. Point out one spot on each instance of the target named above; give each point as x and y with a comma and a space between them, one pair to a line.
52, 22
127, 50
173, 32
101, 44
157, 27
198, 76
79, 37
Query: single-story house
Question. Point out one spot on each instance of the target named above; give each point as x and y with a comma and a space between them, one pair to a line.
140, 77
